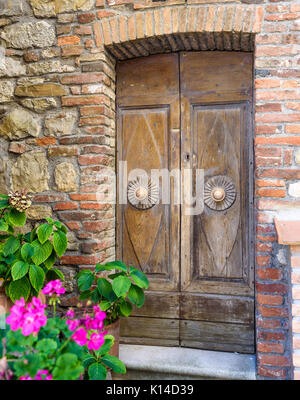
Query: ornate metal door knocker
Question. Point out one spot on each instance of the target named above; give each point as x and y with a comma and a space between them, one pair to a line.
219, 193
142, 195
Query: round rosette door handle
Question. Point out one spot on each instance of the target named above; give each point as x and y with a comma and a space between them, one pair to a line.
219, 193
142, 195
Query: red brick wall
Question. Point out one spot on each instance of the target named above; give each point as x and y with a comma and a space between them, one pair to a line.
277, 132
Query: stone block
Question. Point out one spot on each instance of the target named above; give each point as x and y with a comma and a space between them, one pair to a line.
65, 177
30, 171
19, 124
29, 34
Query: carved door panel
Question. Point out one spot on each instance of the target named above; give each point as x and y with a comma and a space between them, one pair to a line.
149, 138
179, 111
217, 306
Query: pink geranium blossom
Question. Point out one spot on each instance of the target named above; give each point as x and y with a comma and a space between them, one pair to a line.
96, 341
90, 328
42, 375
80, 336
72, 324
54, 287
70, 313
28, 318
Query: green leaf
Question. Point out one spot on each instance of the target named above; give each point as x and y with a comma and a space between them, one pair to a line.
11, 246
50, 260
4, 204
117, 265
44, 231
67, 368
85, 281
105, 289
100, 268
136, 295
104, 305
113, 276
47, 346
60, 226
121, 285
49, 220
139, 278
55, 273
37, 277
85, 295
33, 234
95, 296
27, 251
16, 217
60, 242
107, 345
126, 308
83, 271
19, 288
64, 229
114, 363
30, 367
41, 251
97, 372
19, 269
3, 226
3, 269
88, 359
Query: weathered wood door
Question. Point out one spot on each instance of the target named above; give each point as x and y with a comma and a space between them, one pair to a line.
189, 111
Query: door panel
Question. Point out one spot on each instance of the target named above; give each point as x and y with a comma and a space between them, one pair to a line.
219, 238
150, 331
189, 110
149, 138
145, 136
216, 336
208, 307
216, 95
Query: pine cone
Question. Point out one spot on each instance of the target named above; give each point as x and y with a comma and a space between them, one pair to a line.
19, 200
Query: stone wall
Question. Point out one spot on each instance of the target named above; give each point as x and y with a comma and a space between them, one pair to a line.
57, 127
57, 124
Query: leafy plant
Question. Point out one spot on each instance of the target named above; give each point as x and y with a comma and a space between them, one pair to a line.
27, 260
115, 293
39, 348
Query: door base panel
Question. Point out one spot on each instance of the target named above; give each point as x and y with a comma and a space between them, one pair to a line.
194, 334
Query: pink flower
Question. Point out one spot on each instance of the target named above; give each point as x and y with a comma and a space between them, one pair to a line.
90, 328
14, 319
54, 287
96, 341
70, 313
80, 336
90, 323
42, 375
28, 318
72, 325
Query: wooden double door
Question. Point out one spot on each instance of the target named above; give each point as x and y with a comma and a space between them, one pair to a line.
175, 112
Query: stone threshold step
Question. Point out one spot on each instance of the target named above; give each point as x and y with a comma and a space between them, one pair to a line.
156, 362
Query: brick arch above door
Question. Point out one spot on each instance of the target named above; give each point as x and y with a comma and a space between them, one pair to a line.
169, 29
